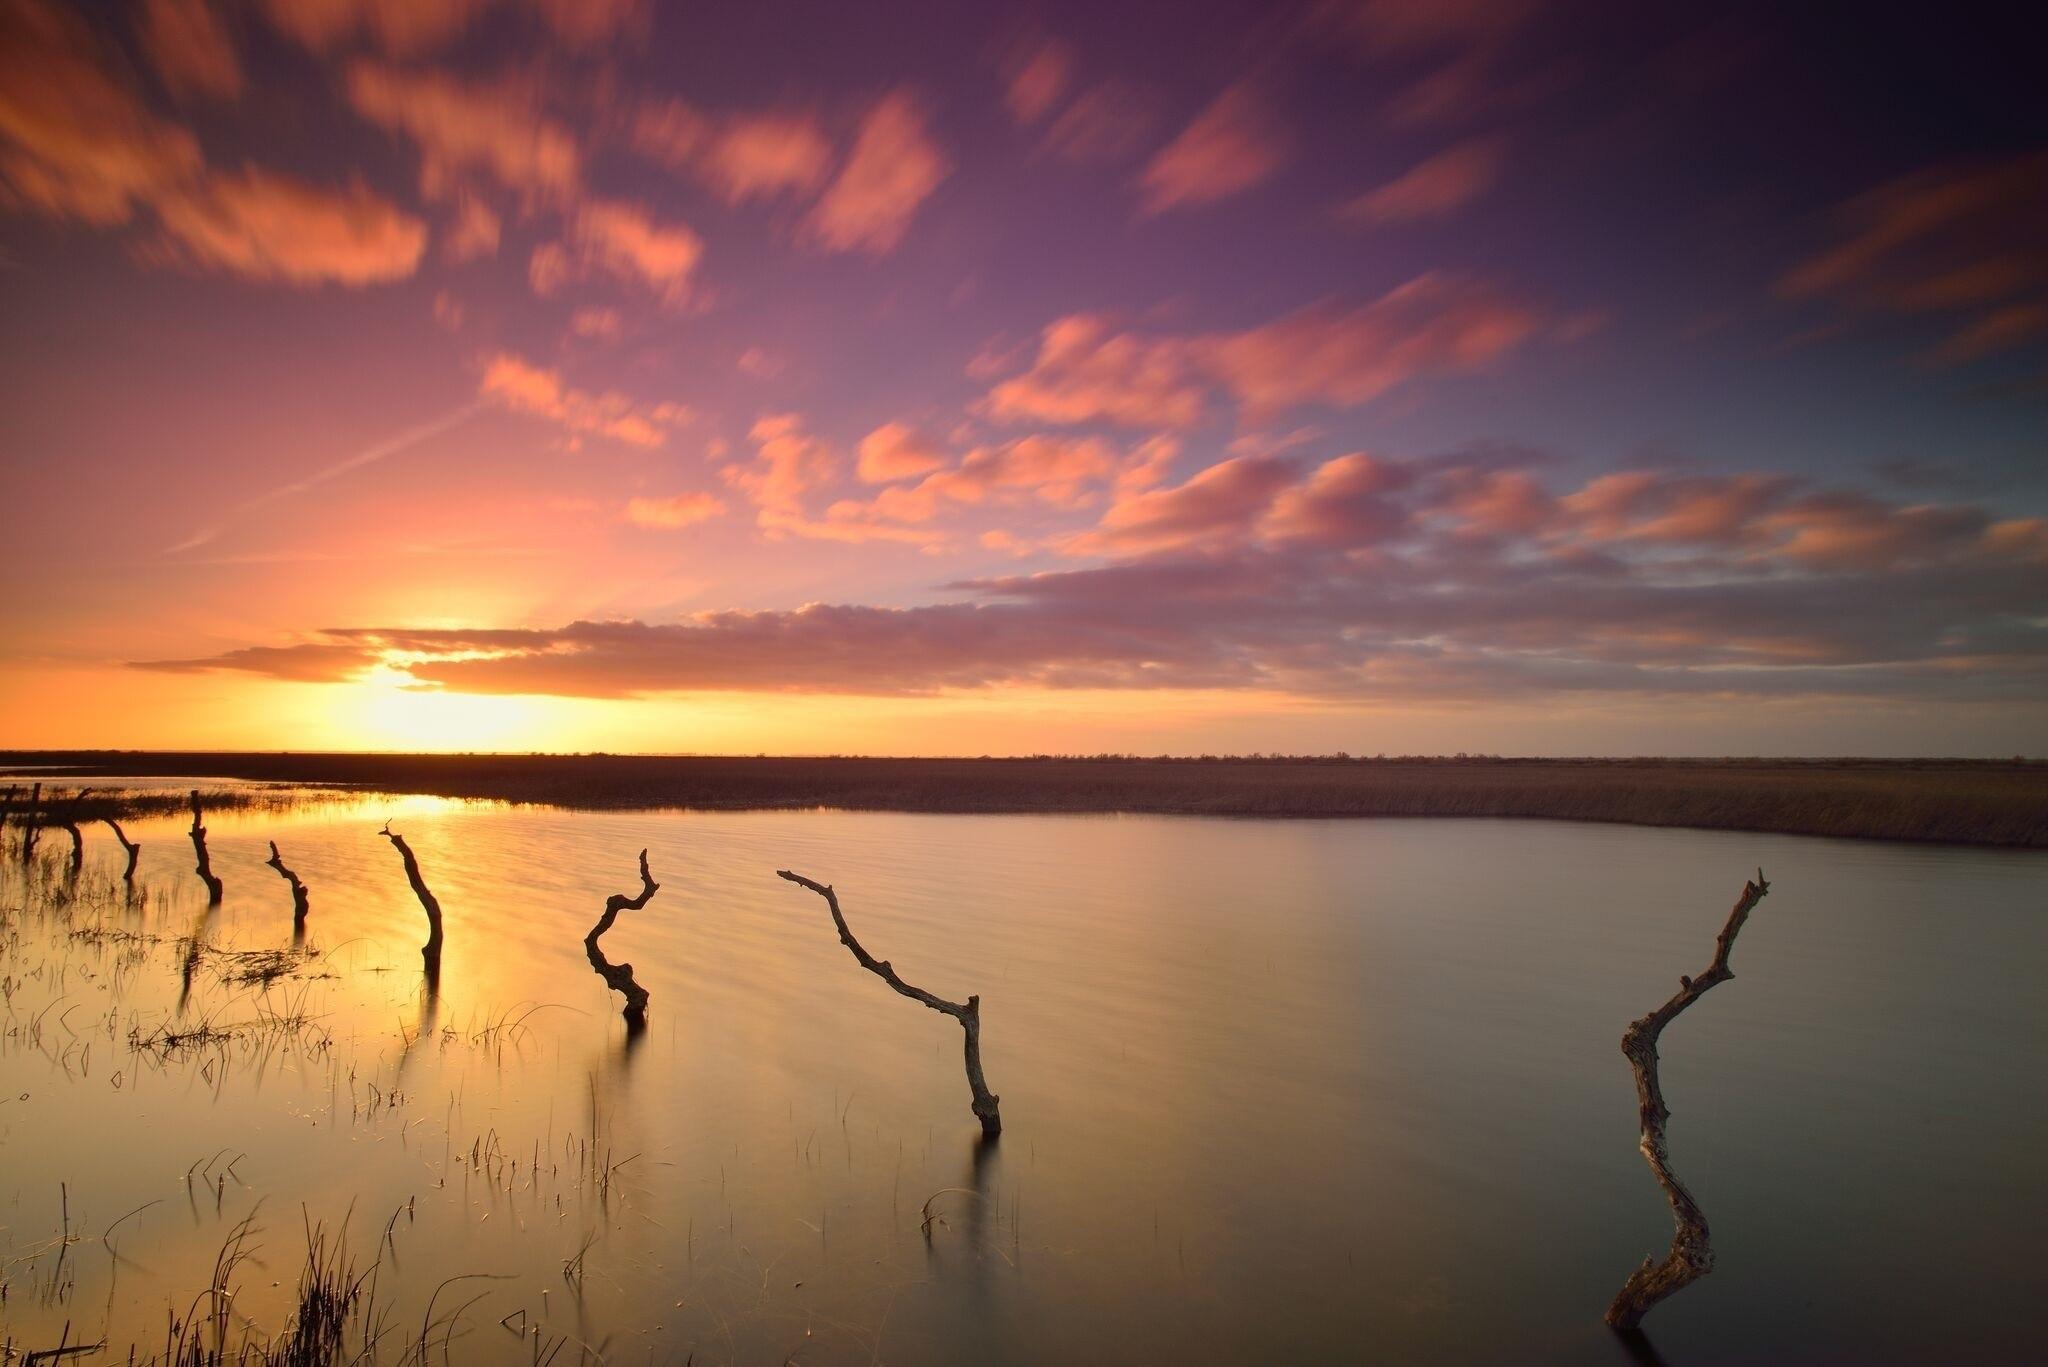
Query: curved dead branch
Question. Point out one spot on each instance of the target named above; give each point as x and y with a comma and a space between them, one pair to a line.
205, 868
431, 950
968, 1014
619, 977
300, 903
133, 847
1691, 1256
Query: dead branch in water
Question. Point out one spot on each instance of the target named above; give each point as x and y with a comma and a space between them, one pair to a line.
205, 868
7, 806
299, 900
28, 823
66, 820
133, 847
431, 950
619, 977
969, 1014
1691, 1256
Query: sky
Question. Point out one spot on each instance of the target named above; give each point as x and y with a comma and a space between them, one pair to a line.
1500, 376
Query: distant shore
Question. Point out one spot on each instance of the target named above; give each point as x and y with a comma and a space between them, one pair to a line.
1975, 802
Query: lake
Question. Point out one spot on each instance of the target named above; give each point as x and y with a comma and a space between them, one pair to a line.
1336, 1090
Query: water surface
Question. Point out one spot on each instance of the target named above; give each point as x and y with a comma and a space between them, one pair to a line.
1297, 1090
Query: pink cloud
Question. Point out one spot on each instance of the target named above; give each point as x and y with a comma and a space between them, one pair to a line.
1432, 189
1947, 240
190, 48
1222, 504
1434, 324
1085, 372
895, 451
526, 388
1231, 146
1326, 353
893, 168
1035, 78
1343, 503
1401, 27
1105, 123
678, 510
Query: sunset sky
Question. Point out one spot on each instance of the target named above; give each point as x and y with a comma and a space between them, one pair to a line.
1488, 375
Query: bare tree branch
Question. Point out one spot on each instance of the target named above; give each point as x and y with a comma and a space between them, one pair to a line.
968, 1014
205, 869
133, 847
1691, 1256
300, 902
619, 977
431, 950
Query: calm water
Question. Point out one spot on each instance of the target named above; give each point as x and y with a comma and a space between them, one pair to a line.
1273, 1091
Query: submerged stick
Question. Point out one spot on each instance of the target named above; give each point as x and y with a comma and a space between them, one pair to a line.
67, 822
431, 950
968, 1014
134, 847
28, 823
619, 977
299, 900
1691, 1256
205, 868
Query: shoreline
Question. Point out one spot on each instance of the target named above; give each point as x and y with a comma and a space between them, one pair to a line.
1998, 803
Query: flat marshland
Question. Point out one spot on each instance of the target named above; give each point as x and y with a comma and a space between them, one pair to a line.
1979, 802
1304, 1090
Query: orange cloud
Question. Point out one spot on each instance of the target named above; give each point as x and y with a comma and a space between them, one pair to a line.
189, 46
474, 232
1436, 188
461, 126
271, 227
680, 510
527, 388
73, 142
410, 27
620, 240
1231, 146
739, 156
893, 168
788, 463
595, 322
765, 154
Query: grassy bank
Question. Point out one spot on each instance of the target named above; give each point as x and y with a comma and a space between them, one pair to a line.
1955, 801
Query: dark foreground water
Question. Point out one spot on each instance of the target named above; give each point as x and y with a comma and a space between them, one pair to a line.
1273, 1091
